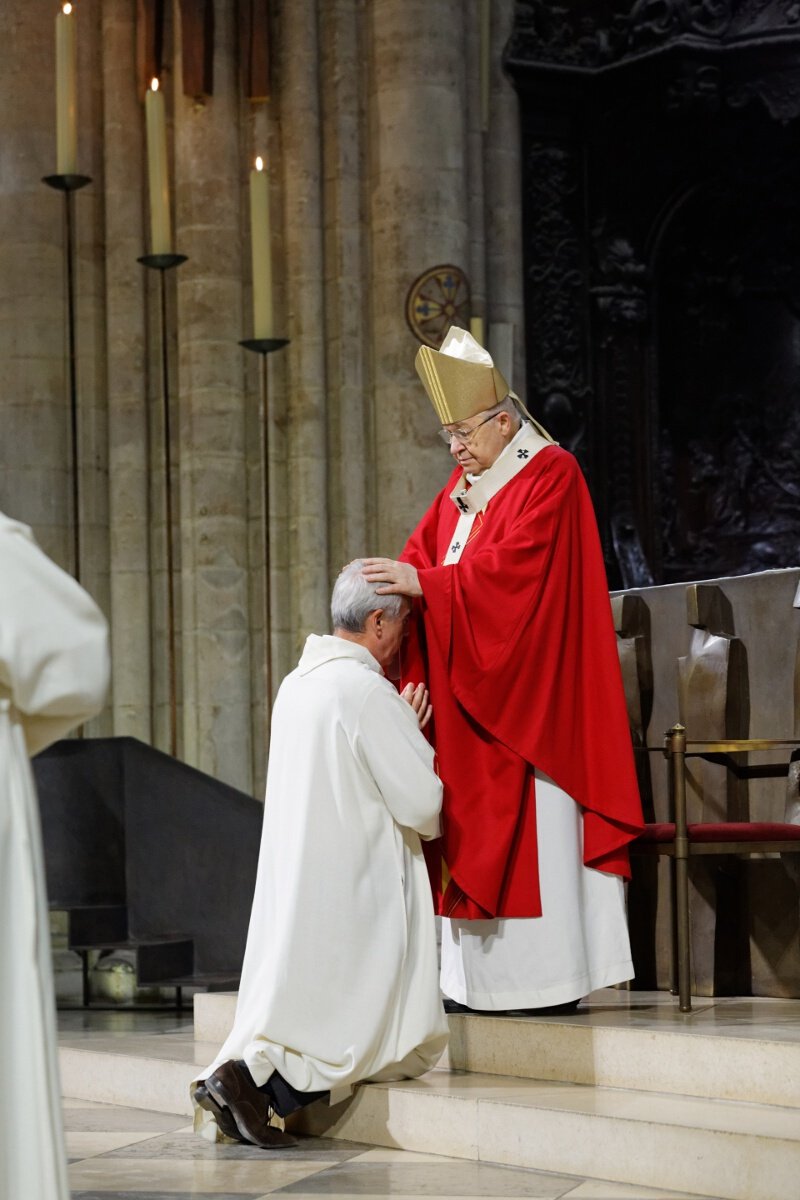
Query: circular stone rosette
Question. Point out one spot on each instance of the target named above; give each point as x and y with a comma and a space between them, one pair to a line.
436, 300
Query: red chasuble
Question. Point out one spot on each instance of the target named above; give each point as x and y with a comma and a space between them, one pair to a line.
517, 645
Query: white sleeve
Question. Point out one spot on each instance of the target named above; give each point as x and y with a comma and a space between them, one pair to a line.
54, 665
400, 760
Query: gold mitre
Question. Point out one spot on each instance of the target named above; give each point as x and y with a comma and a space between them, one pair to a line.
460, 378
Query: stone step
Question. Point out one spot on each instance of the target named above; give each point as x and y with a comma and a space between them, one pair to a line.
132, 1069
717, 1051
714, 1148
728, 1149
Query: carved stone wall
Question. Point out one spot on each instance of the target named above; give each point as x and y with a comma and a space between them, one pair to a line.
729, 402
662, 260
596, 33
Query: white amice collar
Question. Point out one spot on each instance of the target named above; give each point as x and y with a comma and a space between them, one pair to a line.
324, 648
525, 444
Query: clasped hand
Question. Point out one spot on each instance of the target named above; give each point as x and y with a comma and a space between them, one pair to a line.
419, 700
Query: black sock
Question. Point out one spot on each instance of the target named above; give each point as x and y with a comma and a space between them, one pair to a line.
282, 1096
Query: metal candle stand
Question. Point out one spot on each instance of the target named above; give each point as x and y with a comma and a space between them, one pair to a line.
69, 184
164, 263
265, 346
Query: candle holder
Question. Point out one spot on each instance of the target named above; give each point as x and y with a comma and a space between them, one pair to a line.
163, 263
265, 346
69, 184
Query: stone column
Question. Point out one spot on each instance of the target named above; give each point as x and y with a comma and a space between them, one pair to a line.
91, 347
36, 463
503, 184
128, 445
346, 266
419, 217
34, 449
209, 170
306, 401
475, 146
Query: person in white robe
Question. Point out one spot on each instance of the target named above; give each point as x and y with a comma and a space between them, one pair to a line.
53, 676
340, 977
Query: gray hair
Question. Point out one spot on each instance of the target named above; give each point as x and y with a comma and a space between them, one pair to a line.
354, 598
509, 406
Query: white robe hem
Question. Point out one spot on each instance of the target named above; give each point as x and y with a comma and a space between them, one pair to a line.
560, 993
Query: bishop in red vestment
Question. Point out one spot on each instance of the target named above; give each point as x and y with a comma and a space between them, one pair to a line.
515, 638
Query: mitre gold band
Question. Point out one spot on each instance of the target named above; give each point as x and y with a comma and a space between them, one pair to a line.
458, 389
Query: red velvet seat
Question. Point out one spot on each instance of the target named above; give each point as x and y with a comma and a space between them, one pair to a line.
725, 831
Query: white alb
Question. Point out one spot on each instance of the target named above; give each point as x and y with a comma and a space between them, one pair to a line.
53, 676
340, 980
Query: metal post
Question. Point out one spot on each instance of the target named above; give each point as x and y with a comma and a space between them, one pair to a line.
163, 263
73, 388
267, 508
67, 184
676, 748
169, 524
264, 347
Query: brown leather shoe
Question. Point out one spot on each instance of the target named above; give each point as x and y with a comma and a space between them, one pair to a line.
249, 1108
223, 1118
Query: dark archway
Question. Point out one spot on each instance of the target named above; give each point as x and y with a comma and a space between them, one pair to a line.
726, 285
661, 209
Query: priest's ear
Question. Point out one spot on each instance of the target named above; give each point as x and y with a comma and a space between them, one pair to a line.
374, 623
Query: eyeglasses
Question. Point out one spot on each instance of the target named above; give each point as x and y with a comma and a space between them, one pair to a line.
464, 436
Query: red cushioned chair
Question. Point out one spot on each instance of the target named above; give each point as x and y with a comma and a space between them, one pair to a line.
682, 841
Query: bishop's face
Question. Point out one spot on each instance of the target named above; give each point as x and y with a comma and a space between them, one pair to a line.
477, 443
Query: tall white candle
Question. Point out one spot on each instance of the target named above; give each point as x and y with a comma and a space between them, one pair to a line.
476, 329
66, 76
261, 252
158, 178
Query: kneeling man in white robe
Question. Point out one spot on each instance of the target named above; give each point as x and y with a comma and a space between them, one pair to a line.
340, 980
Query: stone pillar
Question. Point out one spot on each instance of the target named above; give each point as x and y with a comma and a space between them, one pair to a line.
34, 449
211, 429
306, 434
346, 266
91, 347
475, 149
36, 462
419, 217
503, 197
128, 445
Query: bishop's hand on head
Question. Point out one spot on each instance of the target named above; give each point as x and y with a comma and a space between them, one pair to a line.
397, 577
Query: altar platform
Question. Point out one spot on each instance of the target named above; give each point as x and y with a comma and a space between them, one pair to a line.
628, 1089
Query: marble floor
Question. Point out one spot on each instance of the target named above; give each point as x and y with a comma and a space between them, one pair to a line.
578, 1102
121, 1153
